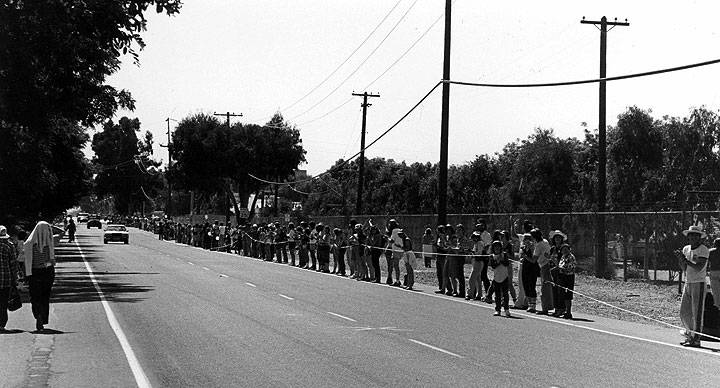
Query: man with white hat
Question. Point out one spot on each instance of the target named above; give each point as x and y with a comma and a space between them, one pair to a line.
693, 260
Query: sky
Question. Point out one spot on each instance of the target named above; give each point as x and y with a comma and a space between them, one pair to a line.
259, 57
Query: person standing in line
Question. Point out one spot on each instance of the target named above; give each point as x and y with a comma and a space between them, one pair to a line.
336, 247
39, 263
475, 290
481, 227
304, 251
545, 262
530, 271
427, 247
448, 267
292, 242
281, 245
313, 245
395, 245
499, 264
714, 271
323, 248
8, 274
557, 240
440, 258
566, 280
409, 259
693, 260
509, 252
71, 229
377, 243
522, 300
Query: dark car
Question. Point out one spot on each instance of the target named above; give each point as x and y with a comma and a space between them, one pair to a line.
116, 232
94, 222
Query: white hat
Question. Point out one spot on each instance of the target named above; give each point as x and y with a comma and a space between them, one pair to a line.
3, 232
557, 233
695, 229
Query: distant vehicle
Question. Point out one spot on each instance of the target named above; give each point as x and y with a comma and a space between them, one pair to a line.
94, 222
83, 217
116, 232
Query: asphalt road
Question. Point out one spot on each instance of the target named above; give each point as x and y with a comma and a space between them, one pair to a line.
196, 318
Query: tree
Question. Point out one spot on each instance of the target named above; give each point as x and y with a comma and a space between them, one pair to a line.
635, 152
55, 56
122, 162
539, 172
212, 157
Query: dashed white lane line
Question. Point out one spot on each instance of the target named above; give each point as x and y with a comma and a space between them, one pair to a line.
222, 275
434, 348
286, 297
250, 284
206, 268
137, 370
191, 263
342, 316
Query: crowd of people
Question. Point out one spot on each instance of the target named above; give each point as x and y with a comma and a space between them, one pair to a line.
356, 250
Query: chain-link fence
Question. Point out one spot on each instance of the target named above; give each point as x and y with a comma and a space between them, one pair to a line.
639, 244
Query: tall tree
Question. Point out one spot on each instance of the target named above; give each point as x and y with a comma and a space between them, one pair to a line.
122, 162
212, 157
55, 56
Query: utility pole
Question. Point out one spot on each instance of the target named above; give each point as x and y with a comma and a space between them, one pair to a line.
227, 195
601, 259
361, 162
444, 122
168, 205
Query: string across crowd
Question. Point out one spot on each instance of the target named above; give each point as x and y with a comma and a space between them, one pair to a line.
356, 251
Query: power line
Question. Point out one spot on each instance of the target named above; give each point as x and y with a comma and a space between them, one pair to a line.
587, 81
346, 59
361, 63
358, 153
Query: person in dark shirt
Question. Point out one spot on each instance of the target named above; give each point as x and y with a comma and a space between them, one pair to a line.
714, 271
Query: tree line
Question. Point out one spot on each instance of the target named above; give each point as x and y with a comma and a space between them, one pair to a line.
653, 164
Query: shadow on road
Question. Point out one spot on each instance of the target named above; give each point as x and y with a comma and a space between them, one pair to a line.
76, 287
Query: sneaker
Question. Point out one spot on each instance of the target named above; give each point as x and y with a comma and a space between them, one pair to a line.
439, 292
543, 312
531, 310
397, 284
497, 314
449, 293
507, 313
558, 313
567, 316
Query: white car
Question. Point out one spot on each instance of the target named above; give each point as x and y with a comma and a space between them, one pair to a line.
82, 217
116, 232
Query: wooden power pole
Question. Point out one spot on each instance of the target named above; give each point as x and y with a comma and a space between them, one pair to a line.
444, 122
227, 195
361, 161
600, 238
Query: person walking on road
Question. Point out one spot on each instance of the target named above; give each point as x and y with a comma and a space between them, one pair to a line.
40, 271
8, 274
71, 228
693, 260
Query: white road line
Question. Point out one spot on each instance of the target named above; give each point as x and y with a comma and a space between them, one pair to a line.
567, 323
206, 268
137, 370
435, 348
342, 316
222, 275
250, 284
190, 263
286, 297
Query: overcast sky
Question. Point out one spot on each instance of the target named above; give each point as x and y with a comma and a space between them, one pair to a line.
259, 57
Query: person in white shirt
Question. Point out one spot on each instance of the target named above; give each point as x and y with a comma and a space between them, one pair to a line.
541, 254
693, 259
